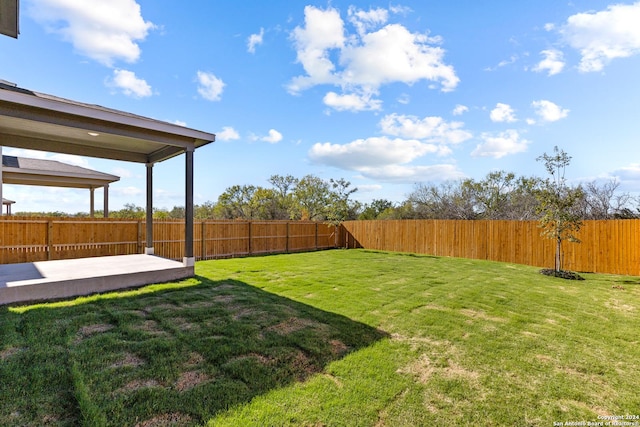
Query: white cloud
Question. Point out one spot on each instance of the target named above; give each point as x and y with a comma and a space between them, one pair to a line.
553, 62
460, 109
127, 82
105, 31
412, 174
364, 21
503, 113
273, 138
323, 30
501, 144
351, 102
369, 188
370, 153
363, 61
404, 99
209, 86
629, 176
431, 129
180, 123
605, 35
512, 59
393, 54
228, 134
548, 111
126, 191
631, 172
254, 40
122, 172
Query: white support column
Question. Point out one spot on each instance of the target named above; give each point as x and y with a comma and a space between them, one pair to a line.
149, 246
189, 259
105, 209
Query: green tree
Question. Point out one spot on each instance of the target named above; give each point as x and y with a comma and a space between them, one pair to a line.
129, 211
237, 202
560, 220
284, 187
375, 209
312, 196
178, 212
205, 210
340, 208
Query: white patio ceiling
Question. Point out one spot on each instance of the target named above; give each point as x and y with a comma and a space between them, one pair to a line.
43, 122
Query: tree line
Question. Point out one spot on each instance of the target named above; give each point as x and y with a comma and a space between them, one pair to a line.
499, 195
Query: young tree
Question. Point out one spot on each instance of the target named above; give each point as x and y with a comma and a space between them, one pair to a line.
340, 208
560, 220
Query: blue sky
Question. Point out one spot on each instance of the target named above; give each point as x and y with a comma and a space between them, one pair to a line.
382, 94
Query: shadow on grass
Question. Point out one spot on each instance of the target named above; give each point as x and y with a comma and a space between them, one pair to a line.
175, 356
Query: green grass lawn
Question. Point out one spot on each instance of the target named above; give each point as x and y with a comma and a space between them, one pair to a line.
330, 338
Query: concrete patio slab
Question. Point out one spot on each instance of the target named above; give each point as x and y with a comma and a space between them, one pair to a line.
47, 280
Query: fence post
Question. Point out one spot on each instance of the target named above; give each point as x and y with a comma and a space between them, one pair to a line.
287, 239
316, 236
139, 243
49, 239
203, 243
250, 236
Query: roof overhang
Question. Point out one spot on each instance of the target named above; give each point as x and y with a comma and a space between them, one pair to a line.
43, 122
55, 179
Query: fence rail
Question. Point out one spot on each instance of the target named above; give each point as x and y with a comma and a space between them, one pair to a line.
611, 246
39, 239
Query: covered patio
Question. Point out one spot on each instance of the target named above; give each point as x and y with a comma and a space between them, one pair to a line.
6, 203
37, 121
51, 173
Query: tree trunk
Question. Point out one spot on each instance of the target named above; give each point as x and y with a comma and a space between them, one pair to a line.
558, 263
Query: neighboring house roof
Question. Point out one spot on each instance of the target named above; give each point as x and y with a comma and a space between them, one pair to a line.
25, 171
35, 120
7, 201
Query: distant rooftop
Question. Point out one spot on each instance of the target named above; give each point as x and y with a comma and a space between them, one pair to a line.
27, 171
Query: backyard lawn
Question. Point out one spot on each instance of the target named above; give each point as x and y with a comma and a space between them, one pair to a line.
331, 338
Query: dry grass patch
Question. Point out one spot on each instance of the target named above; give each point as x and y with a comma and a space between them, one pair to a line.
294, 324
261, 358
616, 304
9, 352
338, 348
139, 384
174, 419
421, 369
128, 361
481, 315
194, 359
183, 324
224, 299
303, 366
151, 327
190, 379
90, 330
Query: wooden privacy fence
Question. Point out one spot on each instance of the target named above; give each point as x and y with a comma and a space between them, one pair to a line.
40, 239
611, 246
